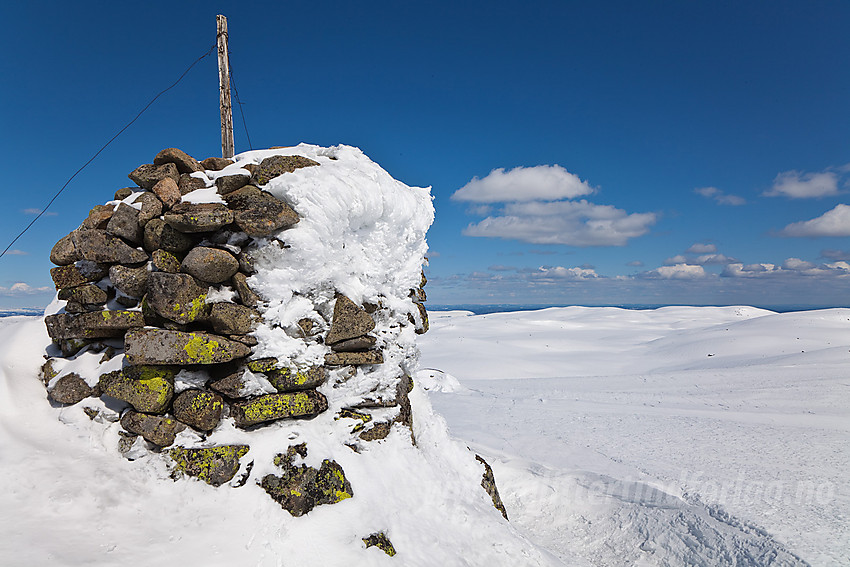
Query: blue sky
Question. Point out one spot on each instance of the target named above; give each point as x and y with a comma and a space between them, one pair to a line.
587, 153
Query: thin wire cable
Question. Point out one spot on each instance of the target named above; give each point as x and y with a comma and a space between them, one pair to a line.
242, 112
121, 131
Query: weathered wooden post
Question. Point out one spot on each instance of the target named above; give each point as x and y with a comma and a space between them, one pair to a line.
224, 88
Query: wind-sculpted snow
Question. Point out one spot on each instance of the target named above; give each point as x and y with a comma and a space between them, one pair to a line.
676, 436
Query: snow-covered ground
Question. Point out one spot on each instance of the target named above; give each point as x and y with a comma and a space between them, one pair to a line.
676, 436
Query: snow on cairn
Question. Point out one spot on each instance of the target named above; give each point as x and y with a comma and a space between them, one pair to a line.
237, 338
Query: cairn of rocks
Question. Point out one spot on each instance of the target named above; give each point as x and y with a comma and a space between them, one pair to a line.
136, 277
161, 277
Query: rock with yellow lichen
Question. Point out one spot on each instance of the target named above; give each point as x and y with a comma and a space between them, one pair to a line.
213, 465
272, 407
162, 346
148, 389
300, 488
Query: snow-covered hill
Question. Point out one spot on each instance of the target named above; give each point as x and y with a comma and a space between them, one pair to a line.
676, 436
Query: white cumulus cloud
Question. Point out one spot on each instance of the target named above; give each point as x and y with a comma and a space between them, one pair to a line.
798, 185
835, 222
574, 223
540, 183
677, 272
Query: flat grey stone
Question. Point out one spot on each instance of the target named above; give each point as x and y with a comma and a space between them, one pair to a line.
92, 325
349, 321
161, 346
99, 246
198, 217
212, 265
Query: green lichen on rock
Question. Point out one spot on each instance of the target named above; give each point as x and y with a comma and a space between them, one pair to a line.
349, 413
381, 541
201, 349
148, 389
162, 346
299, 489
264, 365
272, 407
213, 465
285, 380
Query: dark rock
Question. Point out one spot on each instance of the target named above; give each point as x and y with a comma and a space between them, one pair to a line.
488, 483
211, 265
306, 325
148, 389
160, 235
233, 319
129, 281
216, 163
354, 358
249, 340
162, 346
184, 162
93, 325
301, 488
229, 183
358, 343
422, 323
70, 389
167, 191
86, 295
124, 192
177, 297
99, 246
264, 365
70, 347
189, 183
246, 294
213, 465
272, 407
381, 541
126, 301
98, 217
285, 380
273, 166
159, 430
148, 175
165, 261
258, 213
418, 295
198, 217
199, 409
349, 321
77, 274
125, 223
246, 263
151, 208
64, 252
377, 431
47, 372
231, 385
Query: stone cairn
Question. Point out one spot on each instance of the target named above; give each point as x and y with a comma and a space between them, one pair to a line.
135, 278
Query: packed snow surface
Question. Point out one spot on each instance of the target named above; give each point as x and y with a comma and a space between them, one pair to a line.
676, 436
